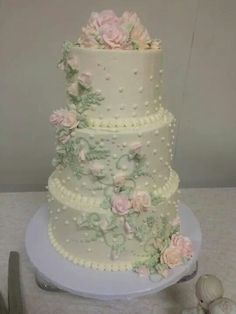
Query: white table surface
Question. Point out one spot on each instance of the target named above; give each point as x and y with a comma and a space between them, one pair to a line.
216, 211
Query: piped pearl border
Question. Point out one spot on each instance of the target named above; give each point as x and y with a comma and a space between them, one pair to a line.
77, 201
160, 118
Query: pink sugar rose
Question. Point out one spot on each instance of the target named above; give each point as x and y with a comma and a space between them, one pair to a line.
143, 272
135, 147
172, 257
96, 169
88, 38
64, 118
57, 117
70, 120
72, 89
85, 79
113, 36
138, 33
184, 244
141, 201
97, 20
120, 205
73, 62
119, 179
82, 156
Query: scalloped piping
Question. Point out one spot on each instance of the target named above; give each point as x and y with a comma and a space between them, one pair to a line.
160, 118
76, 200
86, 263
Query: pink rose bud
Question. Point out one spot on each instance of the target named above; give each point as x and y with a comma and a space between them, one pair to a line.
119, 179
184, 244
85, 79
96, 169
141, 201
120, 205
135, 147
73, 62
82, 155
113, 36
72, 89
172, 257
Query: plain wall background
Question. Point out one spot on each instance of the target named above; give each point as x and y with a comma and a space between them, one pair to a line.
199, 39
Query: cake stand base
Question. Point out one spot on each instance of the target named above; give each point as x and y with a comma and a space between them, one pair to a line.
55, 273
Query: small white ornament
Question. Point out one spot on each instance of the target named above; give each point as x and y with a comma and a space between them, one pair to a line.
208, 289
222, 306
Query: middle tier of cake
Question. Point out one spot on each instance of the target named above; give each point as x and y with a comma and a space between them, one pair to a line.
98, 160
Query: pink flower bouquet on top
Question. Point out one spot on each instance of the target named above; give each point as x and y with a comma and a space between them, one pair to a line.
107, 31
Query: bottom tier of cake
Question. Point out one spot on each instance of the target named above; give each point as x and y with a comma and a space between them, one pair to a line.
104, 240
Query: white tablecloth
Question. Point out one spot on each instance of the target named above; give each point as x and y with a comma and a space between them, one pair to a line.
216, 211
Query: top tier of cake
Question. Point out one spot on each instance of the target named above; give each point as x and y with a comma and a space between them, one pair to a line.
128, 80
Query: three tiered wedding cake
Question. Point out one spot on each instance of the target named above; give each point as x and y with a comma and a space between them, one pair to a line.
113, 198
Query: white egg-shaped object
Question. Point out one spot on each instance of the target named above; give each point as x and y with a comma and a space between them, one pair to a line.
222, 306
208, 289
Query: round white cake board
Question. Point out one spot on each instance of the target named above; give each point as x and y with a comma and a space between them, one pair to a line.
102, 285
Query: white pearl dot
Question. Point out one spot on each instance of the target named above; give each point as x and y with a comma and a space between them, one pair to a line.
148, 143
124, 144
51, 211
89, 249
114, 137
161, 158
157, 86
74, 218
56, 218
124, 167
146, 103
166, 163
147, 112
154, 171
114, 155
154, 186
163, 139
140, 89
156, 132
108, 77
160, 176
161, 71
58, 210
146, 183
155, 151
121, 89
67, 240
151, 77
140, 134
67, 222
160, 98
